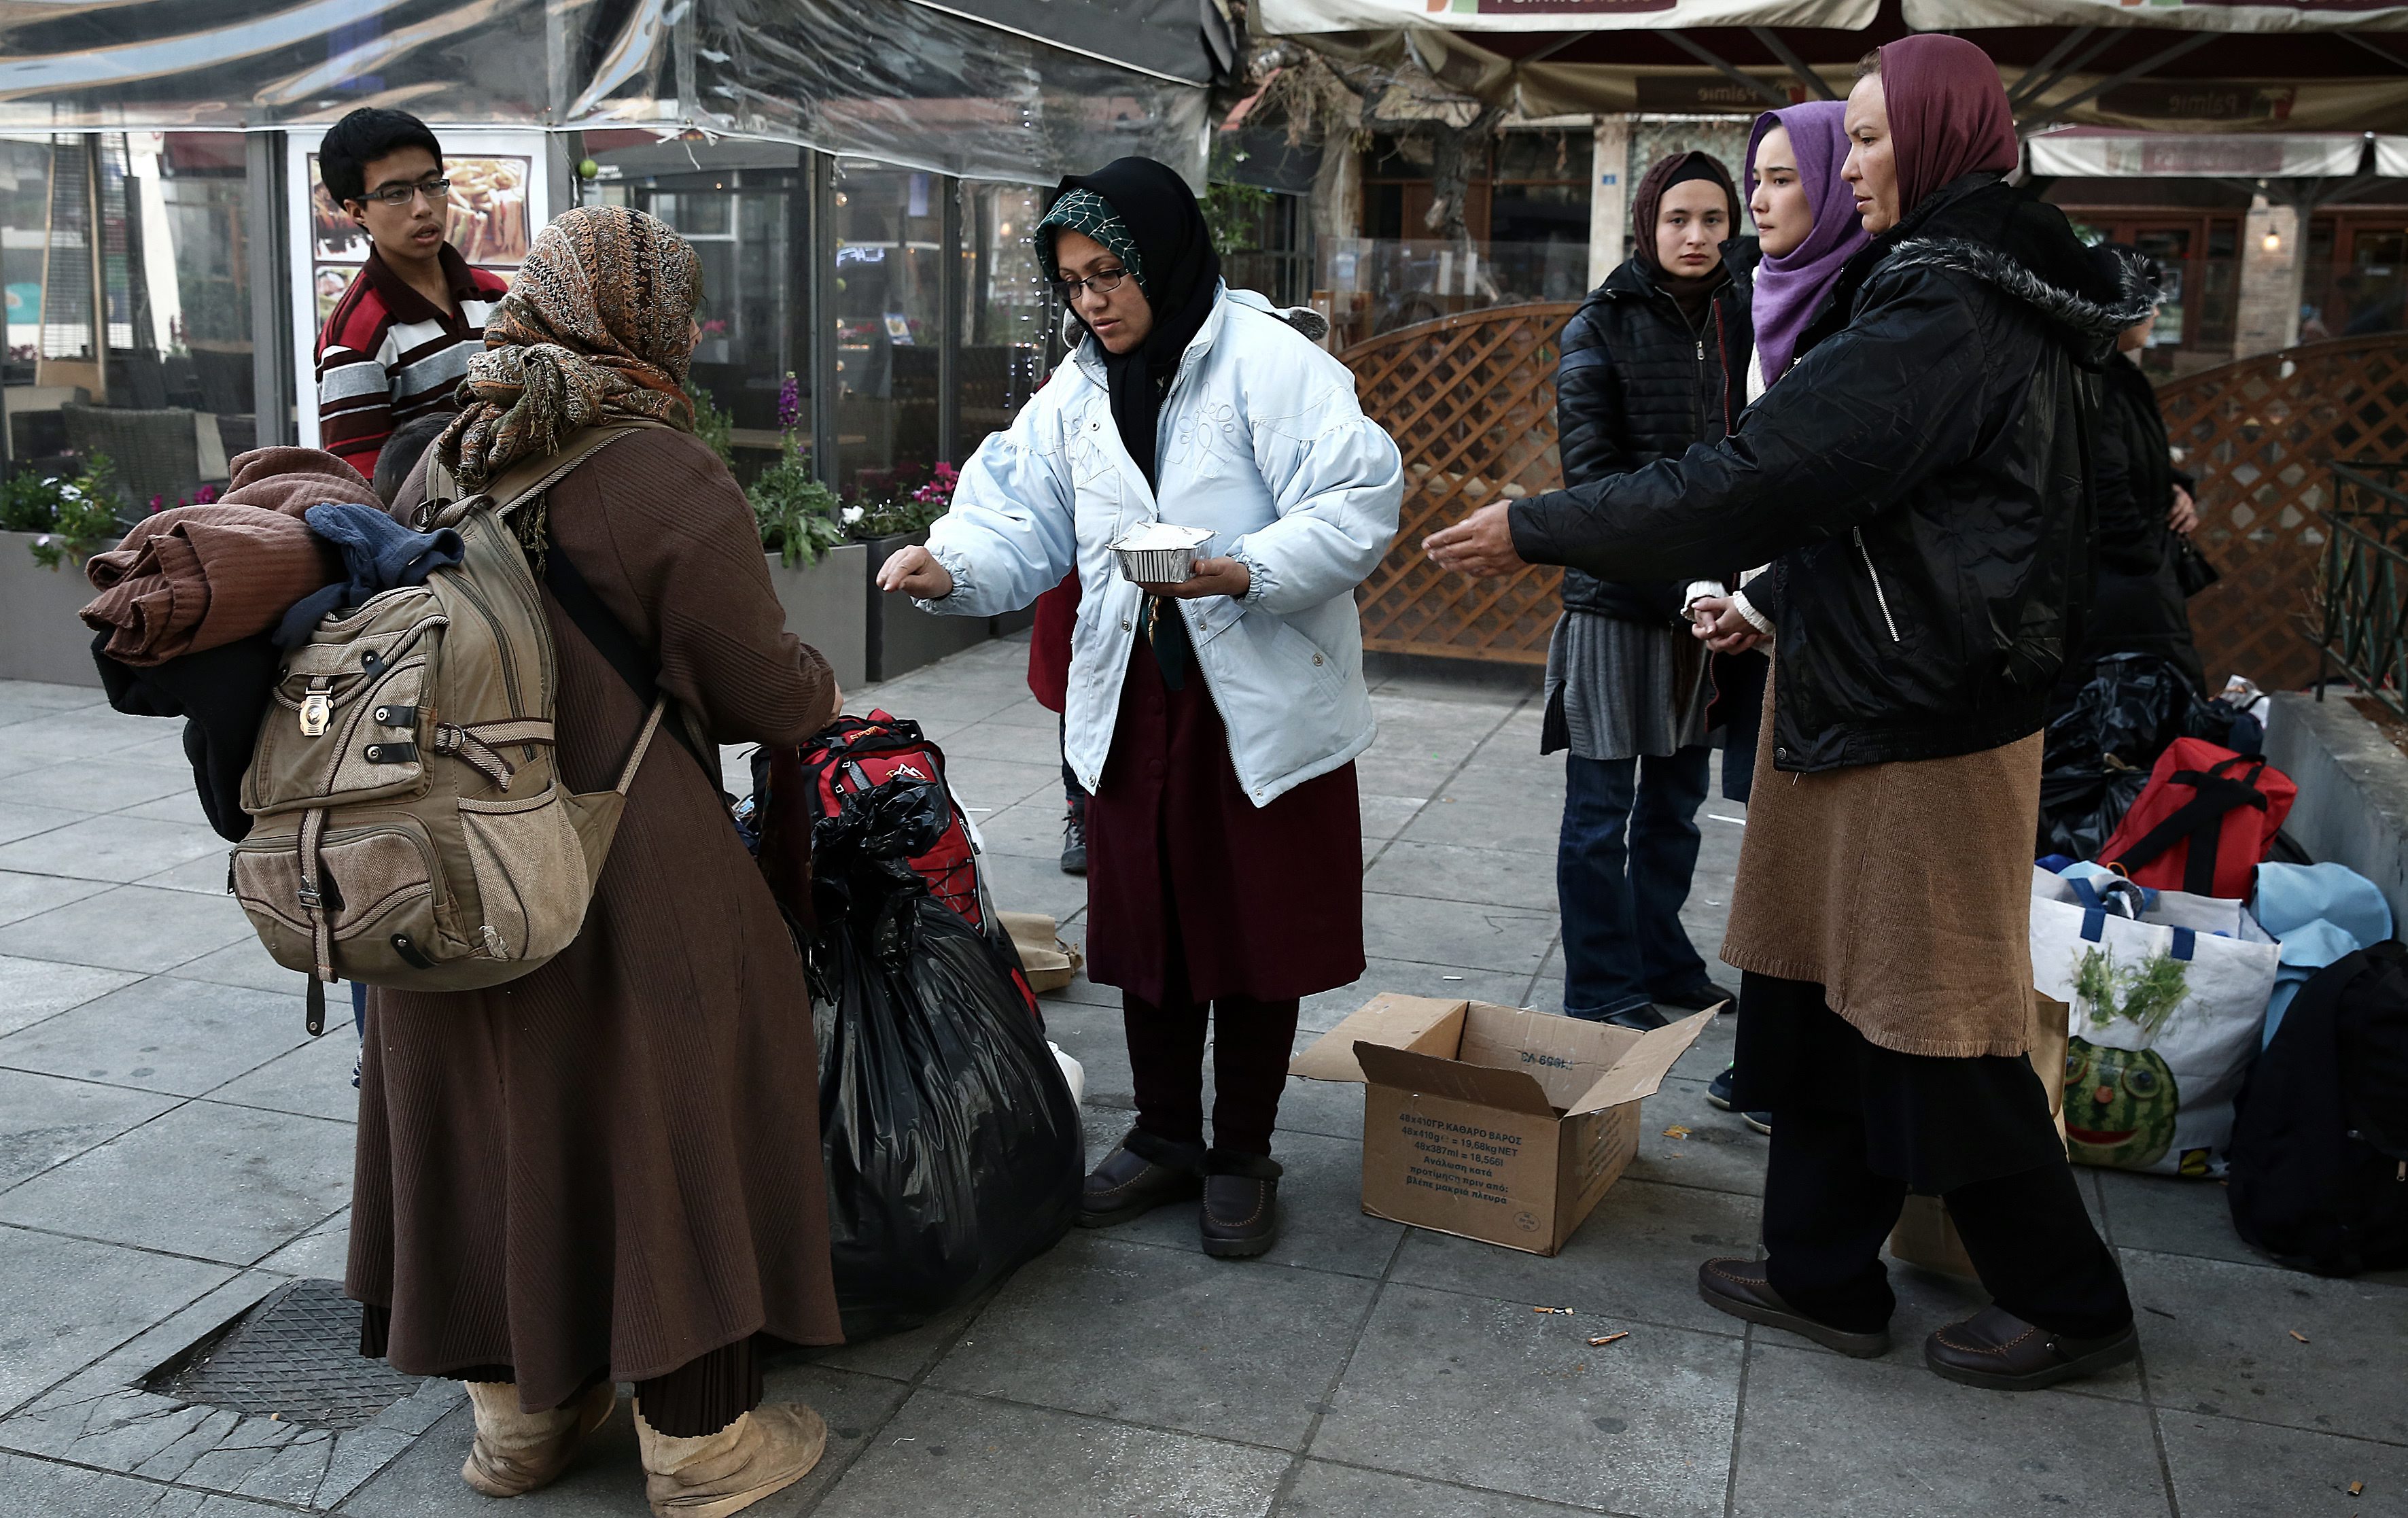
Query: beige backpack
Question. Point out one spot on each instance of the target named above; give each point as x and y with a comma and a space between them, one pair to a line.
412, 830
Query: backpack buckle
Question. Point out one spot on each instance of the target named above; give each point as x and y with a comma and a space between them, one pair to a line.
317, 711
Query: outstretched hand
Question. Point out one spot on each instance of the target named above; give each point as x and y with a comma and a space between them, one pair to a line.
915, 571
1480, 545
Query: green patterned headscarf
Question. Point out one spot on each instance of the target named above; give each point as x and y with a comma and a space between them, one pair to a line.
1087, 212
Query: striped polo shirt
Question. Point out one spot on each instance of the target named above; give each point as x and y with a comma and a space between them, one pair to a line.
387, 354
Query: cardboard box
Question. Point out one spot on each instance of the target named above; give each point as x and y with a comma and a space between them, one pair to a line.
1490, 1121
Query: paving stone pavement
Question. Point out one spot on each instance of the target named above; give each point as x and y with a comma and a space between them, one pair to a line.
173, 1146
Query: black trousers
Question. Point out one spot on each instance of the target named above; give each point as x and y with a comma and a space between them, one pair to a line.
1837, 1181
1250, 1044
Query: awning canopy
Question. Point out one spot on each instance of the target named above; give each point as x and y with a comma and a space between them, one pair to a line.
1174, 39
2182, 15
1293, 17
2117, 67
2391, 157
955, 88
2086, 153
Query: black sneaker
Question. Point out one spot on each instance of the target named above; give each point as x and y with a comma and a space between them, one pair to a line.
1697, 997
1718, 1090
1718, 1095
1074, 839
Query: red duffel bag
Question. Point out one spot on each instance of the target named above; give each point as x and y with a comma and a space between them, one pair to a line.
2203, 823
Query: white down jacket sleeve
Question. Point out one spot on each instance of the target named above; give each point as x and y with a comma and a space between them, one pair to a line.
1337, 481
1009, 534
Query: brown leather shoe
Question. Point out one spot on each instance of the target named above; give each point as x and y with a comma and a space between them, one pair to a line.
1996, 1349
1741, 1289
1141, 1173
1240, 1218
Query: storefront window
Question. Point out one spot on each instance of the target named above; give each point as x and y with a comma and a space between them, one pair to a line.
128, 306
889, 326
1526, 209
1009, 322
745, 207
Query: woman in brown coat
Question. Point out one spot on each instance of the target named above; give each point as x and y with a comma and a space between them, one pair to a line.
608, 1170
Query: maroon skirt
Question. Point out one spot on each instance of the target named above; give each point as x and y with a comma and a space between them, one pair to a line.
1194, 893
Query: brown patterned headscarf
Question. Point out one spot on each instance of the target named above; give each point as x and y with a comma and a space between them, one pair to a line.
595, 325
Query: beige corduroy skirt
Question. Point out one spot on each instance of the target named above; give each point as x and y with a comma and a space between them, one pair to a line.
1903, 889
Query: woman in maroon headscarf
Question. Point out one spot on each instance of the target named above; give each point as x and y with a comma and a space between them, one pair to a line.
1919, 472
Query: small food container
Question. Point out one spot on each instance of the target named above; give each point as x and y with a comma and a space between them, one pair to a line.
1158, 552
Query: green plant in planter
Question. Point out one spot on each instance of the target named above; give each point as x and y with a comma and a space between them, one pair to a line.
796, 514
28, 504
77, 518
715, 427
910, 500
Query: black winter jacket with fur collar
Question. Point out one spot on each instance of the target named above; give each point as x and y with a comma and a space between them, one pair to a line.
1923, 471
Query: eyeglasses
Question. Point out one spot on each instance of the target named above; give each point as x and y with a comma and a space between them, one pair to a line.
1102, 284
401, 194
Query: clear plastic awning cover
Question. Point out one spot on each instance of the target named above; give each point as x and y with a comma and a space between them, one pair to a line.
884, 78
1300, 16
2187, 15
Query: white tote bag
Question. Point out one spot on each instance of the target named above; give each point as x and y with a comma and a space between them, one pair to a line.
2168, 994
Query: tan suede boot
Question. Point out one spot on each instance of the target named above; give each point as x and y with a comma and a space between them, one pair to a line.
516, 1452
763, 1451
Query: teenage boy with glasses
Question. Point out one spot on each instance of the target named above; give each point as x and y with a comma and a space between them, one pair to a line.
400, 339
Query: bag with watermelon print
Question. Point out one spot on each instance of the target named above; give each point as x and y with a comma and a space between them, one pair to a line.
2166, 994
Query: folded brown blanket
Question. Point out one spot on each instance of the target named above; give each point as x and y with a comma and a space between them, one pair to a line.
201, 577
292, 479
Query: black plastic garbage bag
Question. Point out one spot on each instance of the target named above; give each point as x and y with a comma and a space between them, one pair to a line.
2080, 808
2131, 705
953, 1150
2099, 750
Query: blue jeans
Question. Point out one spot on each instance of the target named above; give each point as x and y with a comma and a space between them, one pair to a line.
1628, 847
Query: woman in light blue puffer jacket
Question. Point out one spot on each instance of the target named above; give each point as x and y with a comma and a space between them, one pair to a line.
1216, 721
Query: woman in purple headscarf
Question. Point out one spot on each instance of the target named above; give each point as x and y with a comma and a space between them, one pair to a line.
1806, 231
1919, 471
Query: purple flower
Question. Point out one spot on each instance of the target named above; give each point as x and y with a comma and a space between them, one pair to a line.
790, 402
206, 495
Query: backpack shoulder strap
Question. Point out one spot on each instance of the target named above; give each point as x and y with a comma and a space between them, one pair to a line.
526, 479
618, 648
524, 482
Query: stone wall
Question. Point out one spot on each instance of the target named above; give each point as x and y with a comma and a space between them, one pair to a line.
2353, 802
2269, 317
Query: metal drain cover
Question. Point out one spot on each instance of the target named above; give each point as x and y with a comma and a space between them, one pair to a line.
295, 1355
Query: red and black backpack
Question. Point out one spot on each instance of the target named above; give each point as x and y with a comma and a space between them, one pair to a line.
857, 762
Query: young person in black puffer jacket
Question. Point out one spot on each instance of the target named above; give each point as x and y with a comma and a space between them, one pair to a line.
1652, 363
1923, 477
2145, 509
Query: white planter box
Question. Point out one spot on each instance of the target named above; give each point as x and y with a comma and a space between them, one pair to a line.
40, 638
827, 607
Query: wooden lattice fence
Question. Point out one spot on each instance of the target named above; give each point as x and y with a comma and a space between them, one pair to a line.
1470, 400
2260, 434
